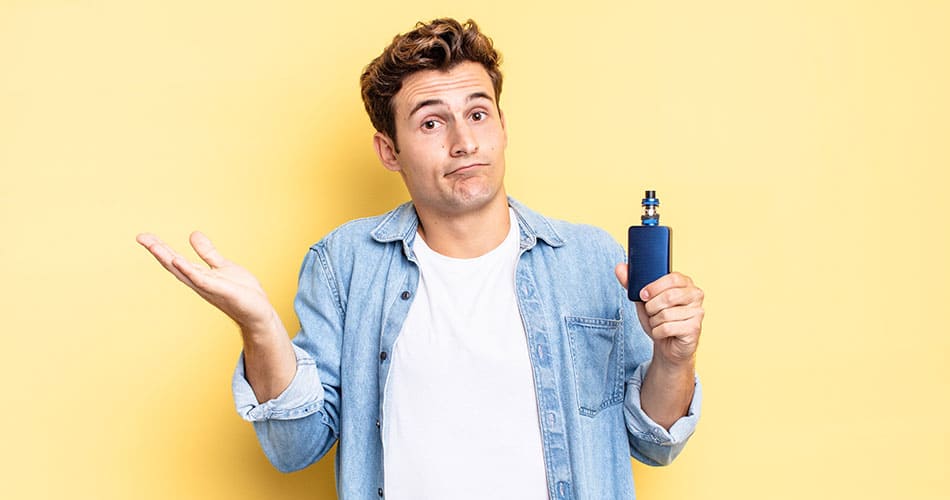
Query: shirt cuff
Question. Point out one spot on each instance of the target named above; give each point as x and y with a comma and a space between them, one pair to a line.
304, 395
665, 444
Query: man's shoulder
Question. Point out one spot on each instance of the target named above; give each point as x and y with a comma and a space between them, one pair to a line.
568, 232
360, 232
588, 246
579, 232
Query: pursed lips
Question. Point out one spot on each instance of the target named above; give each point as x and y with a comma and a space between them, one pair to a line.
465, 168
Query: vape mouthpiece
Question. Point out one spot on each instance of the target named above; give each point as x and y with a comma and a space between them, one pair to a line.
650, 216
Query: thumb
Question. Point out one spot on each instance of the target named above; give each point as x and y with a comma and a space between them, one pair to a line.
206, 250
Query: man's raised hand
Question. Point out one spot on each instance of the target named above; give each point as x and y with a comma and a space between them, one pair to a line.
671, 313
224, 284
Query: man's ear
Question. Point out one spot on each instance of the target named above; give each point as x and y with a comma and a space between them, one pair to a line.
386, 151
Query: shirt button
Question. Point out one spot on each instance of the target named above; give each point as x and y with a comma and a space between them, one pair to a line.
377, 424
380, 491
405, 295
382, 356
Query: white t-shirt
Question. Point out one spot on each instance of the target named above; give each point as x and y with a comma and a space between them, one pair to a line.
460, 415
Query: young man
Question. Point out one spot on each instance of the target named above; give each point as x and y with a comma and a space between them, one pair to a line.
460, 346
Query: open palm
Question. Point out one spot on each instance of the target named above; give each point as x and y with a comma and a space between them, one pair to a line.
224, 284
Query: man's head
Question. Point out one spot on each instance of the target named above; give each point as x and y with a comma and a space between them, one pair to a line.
435, 90
441, 45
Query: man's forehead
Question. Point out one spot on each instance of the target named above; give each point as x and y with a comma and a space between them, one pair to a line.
462, 81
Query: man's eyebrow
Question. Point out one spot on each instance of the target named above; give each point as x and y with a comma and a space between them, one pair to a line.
427, 102
479, 95
434, 102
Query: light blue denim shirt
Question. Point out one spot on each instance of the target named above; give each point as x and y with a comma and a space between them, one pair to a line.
588, 355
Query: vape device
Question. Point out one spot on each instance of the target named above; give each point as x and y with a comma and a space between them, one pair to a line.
649, 248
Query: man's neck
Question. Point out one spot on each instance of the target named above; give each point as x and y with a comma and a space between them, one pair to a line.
466, 235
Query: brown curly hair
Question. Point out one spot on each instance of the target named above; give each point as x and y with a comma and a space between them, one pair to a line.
441, 44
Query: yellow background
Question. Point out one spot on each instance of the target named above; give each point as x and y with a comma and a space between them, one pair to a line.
800, 150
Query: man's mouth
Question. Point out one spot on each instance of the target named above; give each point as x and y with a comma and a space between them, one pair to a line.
465, 168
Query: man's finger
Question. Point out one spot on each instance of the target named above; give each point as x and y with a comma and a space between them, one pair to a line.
671, 280
643, 317
672, 297
686, 329
164, 255
162, 252
621, 272
678, 313
206, 250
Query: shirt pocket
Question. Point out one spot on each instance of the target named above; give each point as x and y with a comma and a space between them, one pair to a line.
597, 356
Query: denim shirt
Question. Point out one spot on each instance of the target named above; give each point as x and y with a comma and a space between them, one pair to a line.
588, 356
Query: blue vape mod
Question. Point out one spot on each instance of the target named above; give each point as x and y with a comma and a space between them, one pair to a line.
649, 247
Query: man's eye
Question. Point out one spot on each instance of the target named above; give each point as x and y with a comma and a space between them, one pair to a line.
478, 116
429, 125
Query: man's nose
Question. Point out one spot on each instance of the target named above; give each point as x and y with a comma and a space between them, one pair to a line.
464, 142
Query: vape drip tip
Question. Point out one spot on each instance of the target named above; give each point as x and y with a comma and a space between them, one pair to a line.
650, 216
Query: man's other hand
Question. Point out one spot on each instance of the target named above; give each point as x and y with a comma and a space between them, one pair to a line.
671, 313
224, 284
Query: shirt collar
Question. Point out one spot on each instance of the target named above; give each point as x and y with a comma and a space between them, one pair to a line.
400, 225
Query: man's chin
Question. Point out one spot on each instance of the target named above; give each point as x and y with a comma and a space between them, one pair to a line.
463, 203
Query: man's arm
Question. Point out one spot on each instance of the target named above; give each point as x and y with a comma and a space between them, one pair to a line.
269, 359
672, 315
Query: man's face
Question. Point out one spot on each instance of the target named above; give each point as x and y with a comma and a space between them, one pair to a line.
451, 140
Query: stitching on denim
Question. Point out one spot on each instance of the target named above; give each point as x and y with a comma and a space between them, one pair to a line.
620, 341
602, 323
330, 278
297, 411
380, 232
530, 231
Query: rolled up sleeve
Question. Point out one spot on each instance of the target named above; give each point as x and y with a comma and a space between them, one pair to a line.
304, 396
650, 442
